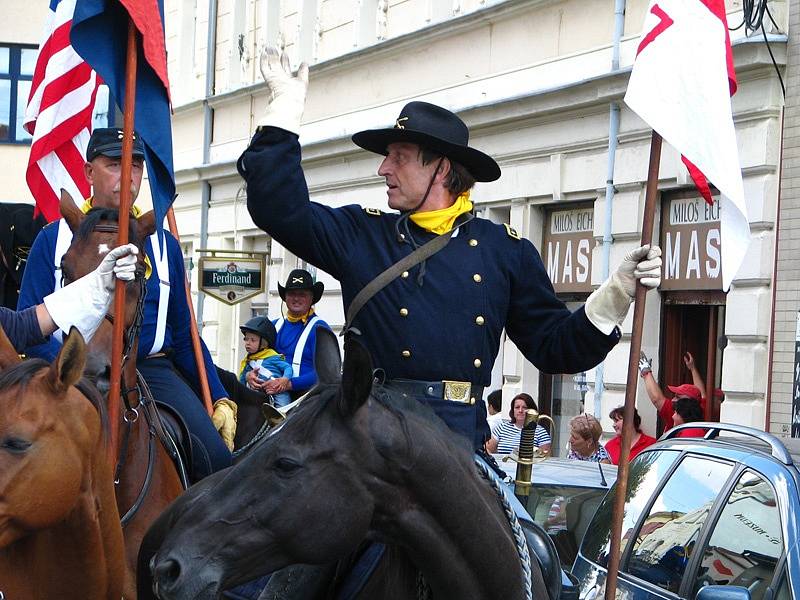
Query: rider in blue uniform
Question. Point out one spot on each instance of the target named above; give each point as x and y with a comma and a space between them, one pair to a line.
297, 335
165, 348
442, 320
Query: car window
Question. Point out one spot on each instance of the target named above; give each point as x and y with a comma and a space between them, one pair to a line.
564, 512
646, 471
664, 543
747, 542
782, 593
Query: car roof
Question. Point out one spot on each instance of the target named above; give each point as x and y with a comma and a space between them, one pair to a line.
575, 473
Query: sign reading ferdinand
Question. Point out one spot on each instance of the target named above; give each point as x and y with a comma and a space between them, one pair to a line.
690, 240
567, 249
232, 277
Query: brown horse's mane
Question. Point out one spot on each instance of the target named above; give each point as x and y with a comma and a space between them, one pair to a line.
96, 215
22, 373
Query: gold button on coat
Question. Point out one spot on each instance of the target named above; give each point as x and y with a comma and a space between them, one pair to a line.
473, 242
477, 363
480, 320
404, 274
406, 353
477, 277
403, 312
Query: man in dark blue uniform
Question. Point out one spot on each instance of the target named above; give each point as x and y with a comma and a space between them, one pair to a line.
436, 329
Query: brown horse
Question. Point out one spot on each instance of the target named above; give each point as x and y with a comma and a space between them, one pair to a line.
350, 463
147, 479
60, 535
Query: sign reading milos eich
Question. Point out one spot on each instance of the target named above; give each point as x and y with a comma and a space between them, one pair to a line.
691, 242
567, 249
232, 276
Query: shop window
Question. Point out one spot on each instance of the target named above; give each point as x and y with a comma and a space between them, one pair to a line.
16, 71
747, 542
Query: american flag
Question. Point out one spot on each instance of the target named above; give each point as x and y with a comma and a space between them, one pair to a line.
59, 115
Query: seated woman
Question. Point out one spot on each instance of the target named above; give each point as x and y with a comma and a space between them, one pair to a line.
639, 442
506, 434
584, 439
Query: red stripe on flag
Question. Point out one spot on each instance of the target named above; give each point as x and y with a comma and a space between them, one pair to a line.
147, 18
699, 180
46, 199
65, 83
664, 22
62, 134
717, 8
54, 44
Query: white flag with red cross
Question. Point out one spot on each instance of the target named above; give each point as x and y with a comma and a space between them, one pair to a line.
681, 85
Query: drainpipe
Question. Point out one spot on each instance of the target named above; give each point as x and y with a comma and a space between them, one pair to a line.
613, 132
208, 116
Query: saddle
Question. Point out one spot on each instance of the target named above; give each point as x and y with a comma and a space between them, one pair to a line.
178, 443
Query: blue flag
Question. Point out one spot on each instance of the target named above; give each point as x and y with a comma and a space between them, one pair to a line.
99, 35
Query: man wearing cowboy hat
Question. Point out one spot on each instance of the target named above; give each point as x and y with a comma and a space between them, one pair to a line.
435, 329
297, 335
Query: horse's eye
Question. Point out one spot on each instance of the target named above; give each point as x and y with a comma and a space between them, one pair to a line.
286, 466
15, 445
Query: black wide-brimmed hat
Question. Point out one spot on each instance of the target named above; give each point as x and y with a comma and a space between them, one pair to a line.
300, 279
108, 142
436, 129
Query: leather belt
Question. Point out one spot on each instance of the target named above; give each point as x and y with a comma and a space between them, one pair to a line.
455, 391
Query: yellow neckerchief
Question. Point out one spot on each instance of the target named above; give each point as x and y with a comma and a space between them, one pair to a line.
263, 353
137, 212
441, 221
304, 318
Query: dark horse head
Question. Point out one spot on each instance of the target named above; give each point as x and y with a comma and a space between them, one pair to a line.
350, 463
93, 235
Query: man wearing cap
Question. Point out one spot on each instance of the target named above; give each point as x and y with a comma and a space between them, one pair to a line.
164, 342
435, 329
686, 406
297, 335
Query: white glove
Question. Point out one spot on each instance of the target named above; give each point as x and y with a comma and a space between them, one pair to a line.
288, 91
84, 303
645, 365
607, 306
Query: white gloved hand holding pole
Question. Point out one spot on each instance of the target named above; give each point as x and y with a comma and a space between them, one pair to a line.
84, 303
288, 91
607, 306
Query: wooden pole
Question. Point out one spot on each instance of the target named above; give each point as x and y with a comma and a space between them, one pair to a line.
122, 238
198, 350
633, 375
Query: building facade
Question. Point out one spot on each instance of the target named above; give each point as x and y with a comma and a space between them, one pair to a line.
540, 84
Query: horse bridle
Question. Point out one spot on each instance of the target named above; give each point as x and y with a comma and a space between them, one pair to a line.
144, 396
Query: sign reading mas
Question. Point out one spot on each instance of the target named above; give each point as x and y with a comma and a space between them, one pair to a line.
567, 249
690, 238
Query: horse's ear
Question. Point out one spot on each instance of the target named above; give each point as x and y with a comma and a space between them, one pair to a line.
68, 366
8, 355
356, 376
147, 224
69, 210
327, 359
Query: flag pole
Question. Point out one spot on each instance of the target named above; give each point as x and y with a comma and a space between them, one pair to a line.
198, 351
122, 238
633, 375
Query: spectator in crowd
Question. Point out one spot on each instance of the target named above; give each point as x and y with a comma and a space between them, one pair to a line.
584, 439
639, 442
506, 436
494, 406
688, 403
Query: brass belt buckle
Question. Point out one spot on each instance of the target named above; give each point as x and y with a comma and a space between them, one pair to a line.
458, 391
